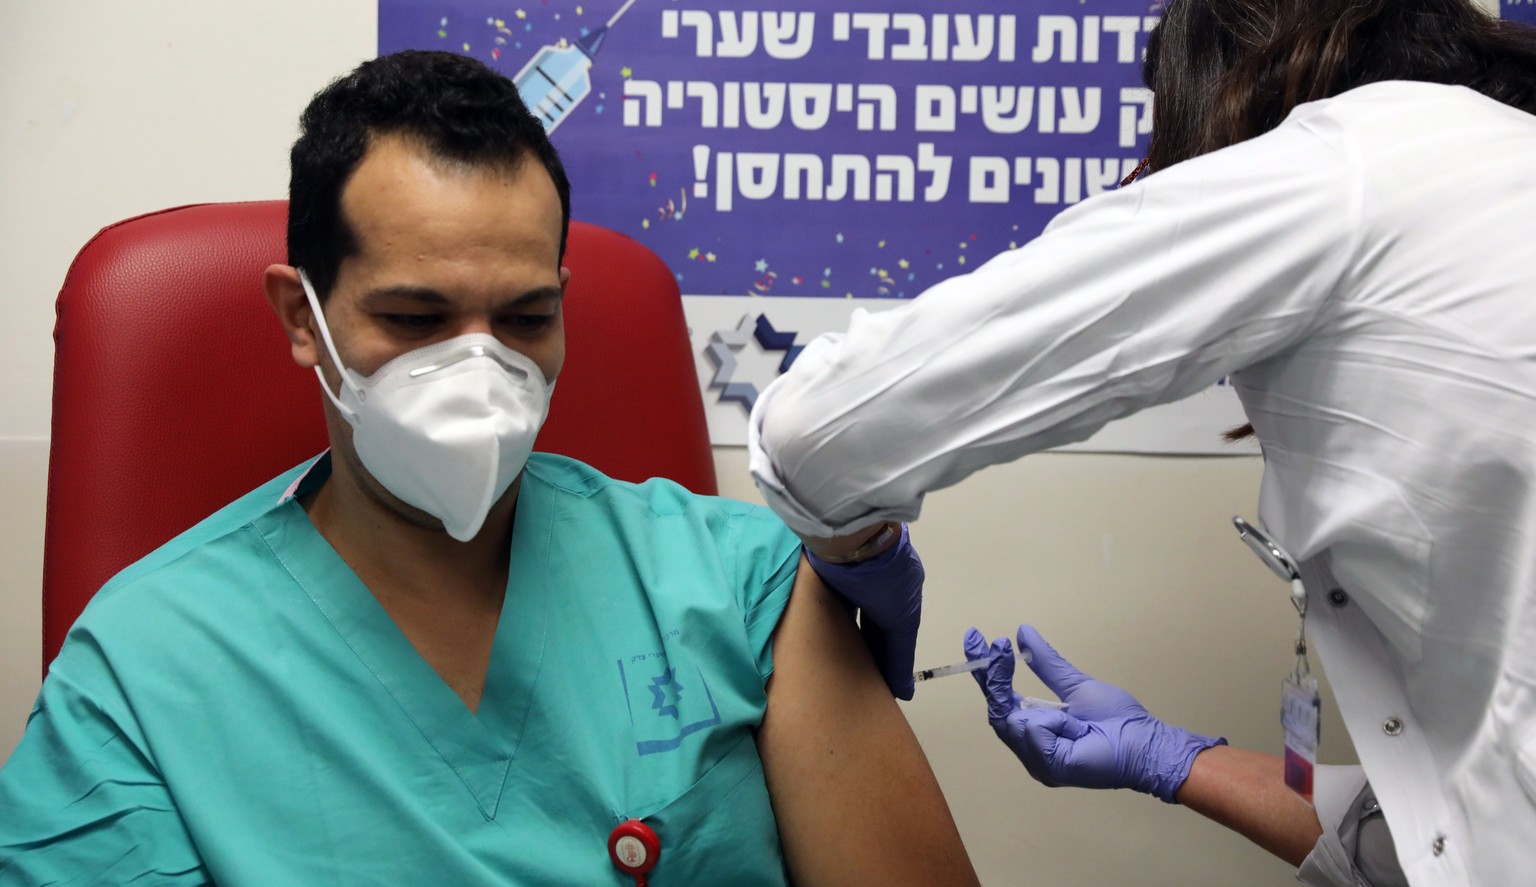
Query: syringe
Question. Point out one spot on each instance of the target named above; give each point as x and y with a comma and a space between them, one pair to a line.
944, 671
558, 76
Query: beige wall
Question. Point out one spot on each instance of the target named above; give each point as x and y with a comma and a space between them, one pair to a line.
1128, 565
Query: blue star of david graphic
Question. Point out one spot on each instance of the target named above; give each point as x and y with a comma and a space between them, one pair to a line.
667, 692
773, 340
658, 736
723, 345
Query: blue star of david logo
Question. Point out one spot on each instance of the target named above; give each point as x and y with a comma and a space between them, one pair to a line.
657, 736
773, 340
667, 692
723, 345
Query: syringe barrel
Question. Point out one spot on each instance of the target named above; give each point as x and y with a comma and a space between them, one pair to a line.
553, 82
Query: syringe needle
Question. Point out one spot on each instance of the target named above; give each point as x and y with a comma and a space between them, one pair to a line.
944, 671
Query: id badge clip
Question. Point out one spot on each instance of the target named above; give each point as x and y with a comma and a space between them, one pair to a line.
1300, 702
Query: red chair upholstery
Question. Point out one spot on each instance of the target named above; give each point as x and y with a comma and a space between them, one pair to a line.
174, 391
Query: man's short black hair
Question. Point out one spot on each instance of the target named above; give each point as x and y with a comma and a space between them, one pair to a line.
453, 106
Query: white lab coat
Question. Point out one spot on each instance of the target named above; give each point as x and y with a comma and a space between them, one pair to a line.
1367, 274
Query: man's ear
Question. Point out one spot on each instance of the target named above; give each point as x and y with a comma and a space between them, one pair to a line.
286, 295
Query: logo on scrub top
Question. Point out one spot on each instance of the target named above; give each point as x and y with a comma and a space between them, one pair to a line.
667, 692
677, 705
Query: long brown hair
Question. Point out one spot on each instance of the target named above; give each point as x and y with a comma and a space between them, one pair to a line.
1224, 71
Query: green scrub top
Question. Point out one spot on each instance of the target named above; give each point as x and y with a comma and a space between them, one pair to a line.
238, 708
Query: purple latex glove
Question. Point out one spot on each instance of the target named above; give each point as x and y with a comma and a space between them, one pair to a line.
1104, 738
888, 590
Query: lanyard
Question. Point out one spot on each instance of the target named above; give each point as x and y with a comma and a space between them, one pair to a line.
1300, 700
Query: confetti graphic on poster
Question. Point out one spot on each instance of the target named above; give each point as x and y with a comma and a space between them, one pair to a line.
832, 152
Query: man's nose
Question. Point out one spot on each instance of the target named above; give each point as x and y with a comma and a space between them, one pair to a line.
475, 323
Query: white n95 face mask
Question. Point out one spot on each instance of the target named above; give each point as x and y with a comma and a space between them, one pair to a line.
446, 427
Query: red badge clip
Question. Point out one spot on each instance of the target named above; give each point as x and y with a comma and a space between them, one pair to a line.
634, 849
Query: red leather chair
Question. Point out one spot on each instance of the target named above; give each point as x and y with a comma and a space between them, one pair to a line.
174, 391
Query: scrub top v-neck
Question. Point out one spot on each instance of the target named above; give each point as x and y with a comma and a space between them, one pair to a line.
478, 746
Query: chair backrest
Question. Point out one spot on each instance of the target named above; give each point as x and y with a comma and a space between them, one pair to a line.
174, 391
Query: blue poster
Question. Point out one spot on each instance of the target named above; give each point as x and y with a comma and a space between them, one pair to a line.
794, 161
848, 149
1519, 10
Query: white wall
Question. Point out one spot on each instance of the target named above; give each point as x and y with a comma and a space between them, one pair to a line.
1128, 565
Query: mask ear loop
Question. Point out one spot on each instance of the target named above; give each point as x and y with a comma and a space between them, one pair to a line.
330, 346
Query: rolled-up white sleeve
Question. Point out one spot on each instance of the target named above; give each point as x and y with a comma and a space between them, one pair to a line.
1136, 297
1355, 849
1331, 864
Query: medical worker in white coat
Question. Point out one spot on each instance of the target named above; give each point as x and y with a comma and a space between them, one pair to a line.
1341, 215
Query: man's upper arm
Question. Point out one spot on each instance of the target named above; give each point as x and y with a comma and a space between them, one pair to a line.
855, 799
81, 803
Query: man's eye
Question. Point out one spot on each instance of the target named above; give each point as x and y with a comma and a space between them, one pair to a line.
412, 321
529, 321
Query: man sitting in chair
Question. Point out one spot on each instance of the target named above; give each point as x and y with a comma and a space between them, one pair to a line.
427, 657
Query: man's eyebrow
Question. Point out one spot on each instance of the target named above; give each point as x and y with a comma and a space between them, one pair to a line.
432, 298
543, 293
